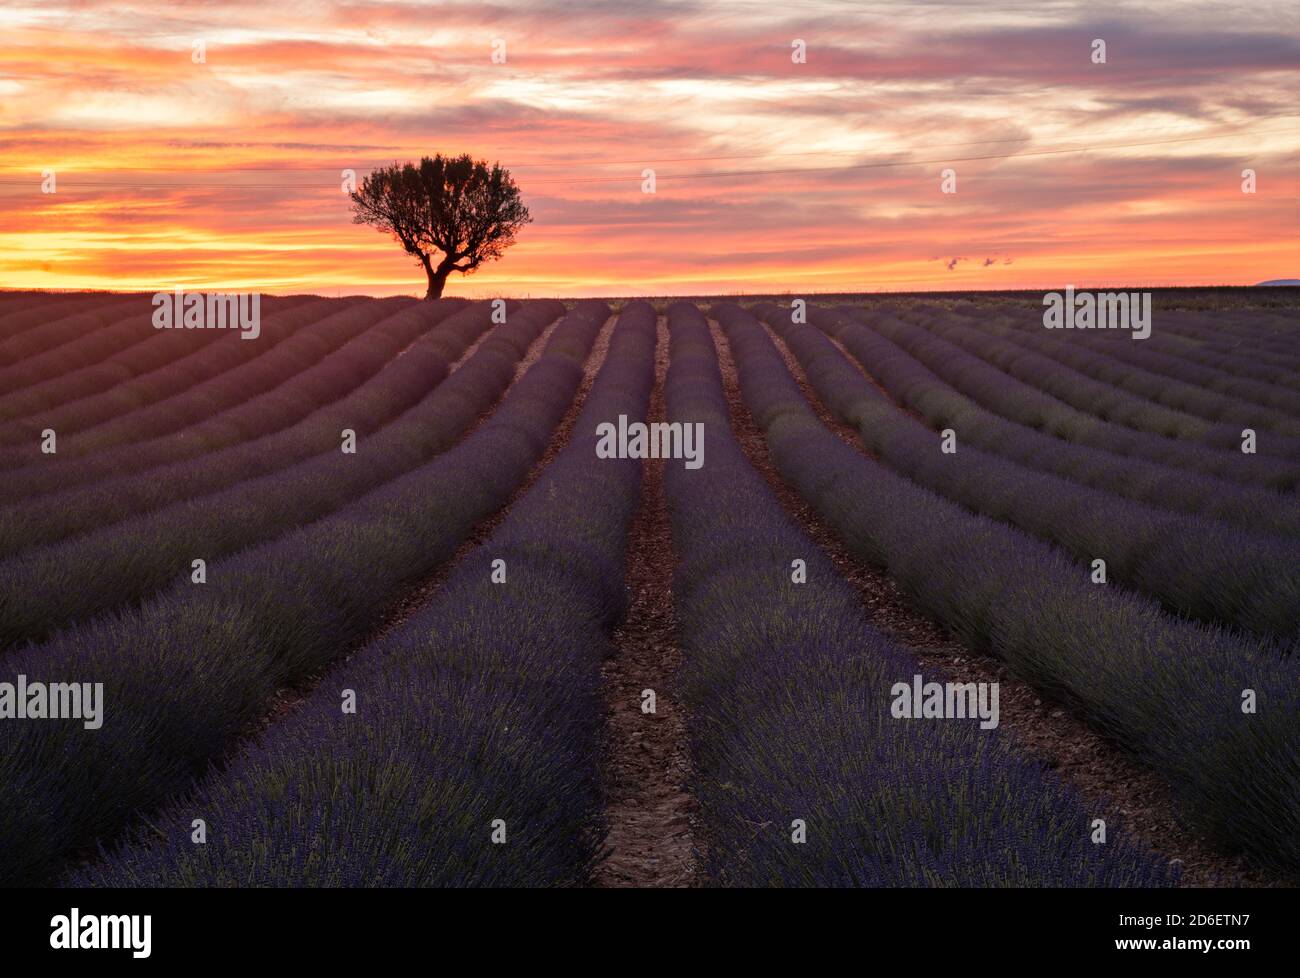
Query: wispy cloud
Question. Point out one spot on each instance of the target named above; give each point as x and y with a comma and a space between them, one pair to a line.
226, 171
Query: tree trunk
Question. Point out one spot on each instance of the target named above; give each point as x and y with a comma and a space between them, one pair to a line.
437, 276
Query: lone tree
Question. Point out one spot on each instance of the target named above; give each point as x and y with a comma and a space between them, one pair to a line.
456, 206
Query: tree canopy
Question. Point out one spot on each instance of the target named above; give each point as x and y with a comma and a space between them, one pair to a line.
457, 206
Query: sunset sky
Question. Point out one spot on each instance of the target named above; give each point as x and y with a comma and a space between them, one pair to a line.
771, 175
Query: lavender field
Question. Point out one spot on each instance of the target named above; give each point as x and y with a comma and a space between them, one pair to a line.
907, 590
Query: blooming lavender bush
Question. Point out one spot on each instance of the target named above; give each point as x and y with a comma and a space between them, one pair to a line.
178, 385
362, 386
916, 388
1168, 691
170, 400
1111, 418
1195, 566
788, 688
484, 706
1022, 402
192, 670
52, 586
1214, 393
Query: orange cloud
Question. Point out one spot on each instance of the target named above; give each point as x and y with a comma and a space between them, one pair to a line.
771, 174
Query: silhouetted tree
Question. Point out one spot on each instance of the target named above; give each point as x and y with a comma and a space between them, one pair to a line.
456, 206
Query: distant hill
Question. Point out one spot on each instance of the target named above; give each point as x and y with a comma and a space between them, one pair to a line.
1279, 281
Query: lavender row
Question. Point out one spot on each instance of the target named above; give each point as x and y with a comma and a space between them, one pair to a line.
804, 775
243, 420
115, 417
198, 362
195, 669
1233, 340
1027, 404
14, 302
50, 587
1221, 340
1201, 568
61, 323
48, 308
916, 388
361, 387
1236, 338
48, 360
1195, 412
133, 347
1104, 401
14, 299
480, 715
1203, 387
1215, 713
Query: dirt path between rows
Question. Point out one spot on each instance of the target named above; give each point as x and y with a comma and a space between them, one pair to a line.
646, 764
1115, 786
